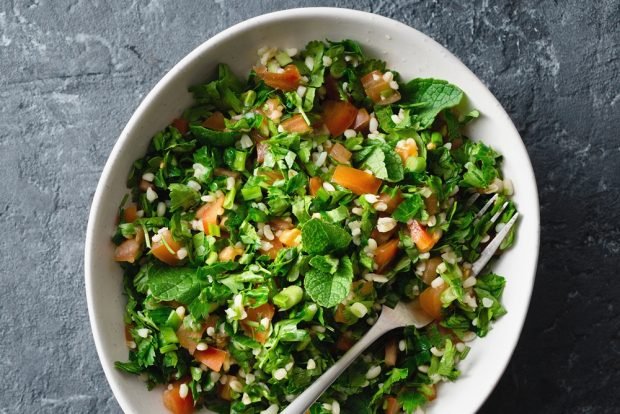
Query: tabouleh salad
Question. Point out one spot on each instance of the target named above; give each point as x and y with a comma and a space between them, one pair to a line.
269, 223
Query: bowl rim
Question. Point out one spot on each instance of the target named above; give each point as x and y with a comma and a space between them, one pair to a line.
196, 53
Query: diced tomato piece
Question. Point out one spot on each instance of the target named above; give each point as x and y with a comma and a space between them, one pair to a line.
338, 116
344, 342
431, 204
391, 406
230, 253
433, 392
160, 250
339, 315
286, 81
272, 109
212, 357
130, 252
215, 122
407, 148
331, 88
266, 310
290, 238
280, 224
128, 336
340, 153
382, 238
255, 315
188, 338
362, 120
430, 270
378, 90
145, 185
224, 392
391, 352
181, 124
423, 240
261, 150
174, 402
130, 213
358, 181
391, 201
364, 288
219, 171
315, 184
210, 213
385, 253
297, 124
271, 176
430, 301
276, 246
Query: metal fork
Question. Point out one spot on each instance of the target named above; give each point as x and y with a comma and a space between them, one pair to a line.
404, 314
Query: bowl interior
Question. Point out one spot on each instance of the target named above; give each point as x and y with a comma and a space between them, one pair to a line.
407, 51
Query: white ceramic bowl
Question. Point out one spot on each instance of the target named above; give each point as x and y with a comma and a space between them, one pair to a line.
412, 54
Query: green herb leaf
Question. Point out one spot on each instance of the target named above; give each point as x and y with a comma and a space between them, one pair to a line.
396, 375
327, 289
436, 94
410, 208
207, 136
319, 237
182, 197
173, 283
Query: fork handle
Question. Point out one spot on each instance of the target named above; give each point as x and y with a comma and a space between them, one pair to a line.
304, 400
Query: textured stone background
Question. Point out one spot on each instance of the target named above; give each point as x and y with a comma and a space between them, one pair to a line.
73, 71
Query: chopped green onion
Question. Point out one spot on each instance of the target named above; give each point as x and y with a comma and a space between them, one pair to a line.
229, 200
174, 320
283, 58
168, 348
251, 193
288, 297
248, 98
437, 139
167, 336
239, 161
212, 258
214, 230
416, 164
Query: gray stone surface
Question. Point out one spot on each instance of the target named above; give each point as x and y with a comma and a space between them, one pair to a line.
73, 71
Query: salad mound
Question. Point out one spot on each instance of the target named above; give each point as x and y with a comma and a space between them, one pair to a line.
267, 226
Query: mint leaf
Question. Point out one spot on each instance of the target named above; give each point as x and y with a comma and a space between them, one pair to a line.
325, 264
326, 289
376, 163
173, 283
409, 208
384, 113
318, 237
436, 95
385, 164
182, 196
393, 165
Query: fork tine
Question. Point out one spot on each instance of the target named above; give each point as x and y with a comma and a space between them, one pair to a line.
499, 213
486, 206
492, 247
